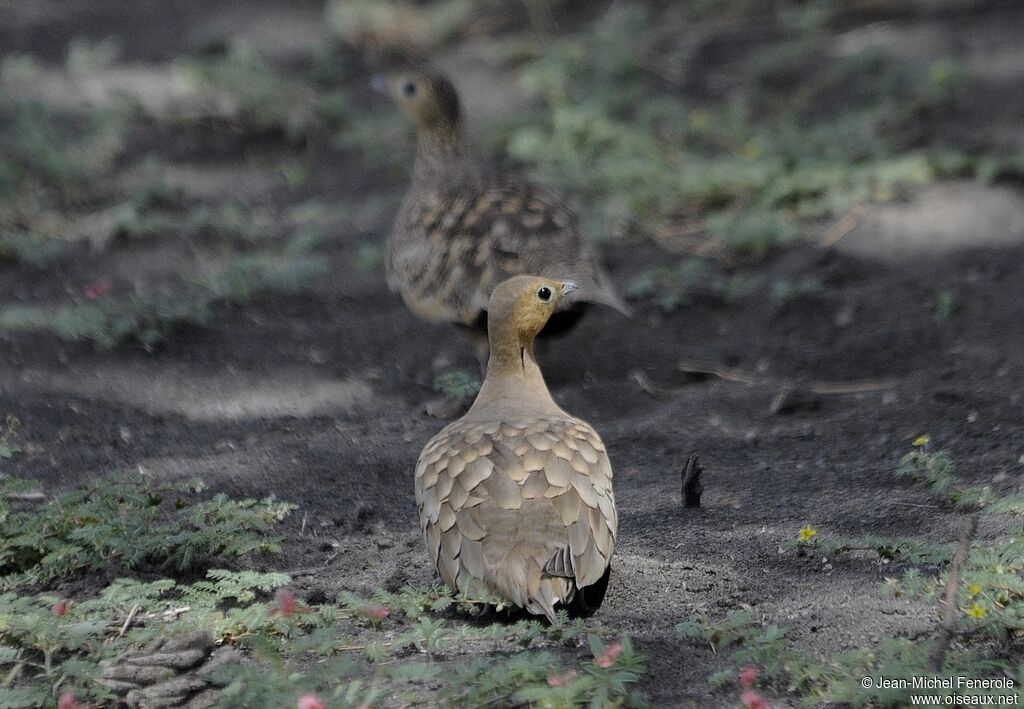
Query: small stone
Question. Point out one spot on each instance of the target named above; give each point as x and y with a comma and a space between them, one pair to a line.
223, 657
183, 660
137, 675
203, 700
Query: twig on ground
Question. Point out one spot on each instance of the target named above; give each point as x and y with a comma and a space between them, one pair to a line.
128, 621
742, 376
641, 379
847, 223
697, 366
13, 674
175, 613
31, 496
692, 488
947, 624
852, 387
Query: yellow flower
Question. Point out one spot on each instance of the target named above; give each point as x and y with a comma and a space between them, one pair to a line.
700, 120
807, 533
922, 441
974, 589
976, 612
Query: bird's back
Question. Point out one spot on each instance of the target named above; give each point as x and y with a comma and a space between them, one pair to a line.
518, 506
451, 244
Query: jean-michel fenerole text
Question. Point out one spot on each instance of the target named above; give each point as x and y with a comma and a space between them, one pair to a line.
928, 682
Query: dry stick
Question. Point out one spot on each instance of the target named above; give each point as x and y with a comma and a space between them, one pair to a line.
641, 379
692, 489
857, 387
128, 621
12, 675
698, 366
31, 496
947, 625
741, 376
847, 223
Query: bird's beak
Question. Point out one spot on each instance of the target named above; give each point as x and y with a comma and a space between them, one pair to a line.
568, 287
379, 83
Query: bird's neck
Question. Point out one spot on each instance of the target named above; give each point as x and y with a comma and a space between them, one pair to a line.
513, 376
440, 152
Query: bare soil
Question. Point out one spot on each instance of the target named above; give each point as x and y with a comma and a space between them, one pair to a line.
317, 398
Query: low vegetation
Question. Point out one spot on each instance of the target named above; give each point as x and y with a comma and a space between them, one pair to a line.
354, 651
979, 636
107, 316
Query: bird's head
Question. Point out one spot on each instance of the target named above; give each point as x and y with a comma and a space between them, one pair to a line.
429, 99
525, 303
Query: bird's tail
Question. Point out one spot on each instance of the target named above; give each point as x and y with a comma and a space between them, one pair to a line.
599, 289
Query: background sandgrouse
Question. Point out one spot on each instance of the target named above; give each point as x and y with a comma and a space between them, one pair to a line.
463, 228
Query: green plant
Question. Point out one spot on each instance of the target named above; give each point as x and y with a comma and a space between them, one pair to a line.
354, 651
28, 247
7, 445
457, 383
936, 471
672, 286
840, 679
126, 521
230, 221
983, 610
150, 316
945, 304
369, 257
787, 290
751, 169
53, 644
41, 147
266, 100
85, 57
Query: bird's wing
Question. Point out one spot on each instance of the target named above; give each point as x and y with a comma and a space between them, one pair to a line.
449, 249
499, 502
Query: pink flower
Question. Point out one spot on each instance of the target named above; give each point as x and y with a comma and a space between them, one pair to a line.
310, 701
608, 657
68, 701
753, 700
562, 679
61, 607
375, 612
747, 676
97, 288
286, 605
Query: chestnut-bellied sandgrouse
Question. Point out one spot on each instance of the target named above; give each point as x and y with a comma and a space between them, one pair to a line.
464, 228
515, 498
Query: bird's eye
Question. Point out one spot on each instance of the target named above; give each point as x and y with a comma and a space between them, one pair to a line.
544, 293
409, 89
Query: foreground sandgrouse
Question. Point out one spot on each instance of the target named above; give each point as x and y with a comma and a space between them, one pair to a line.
462, 229
515, 498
